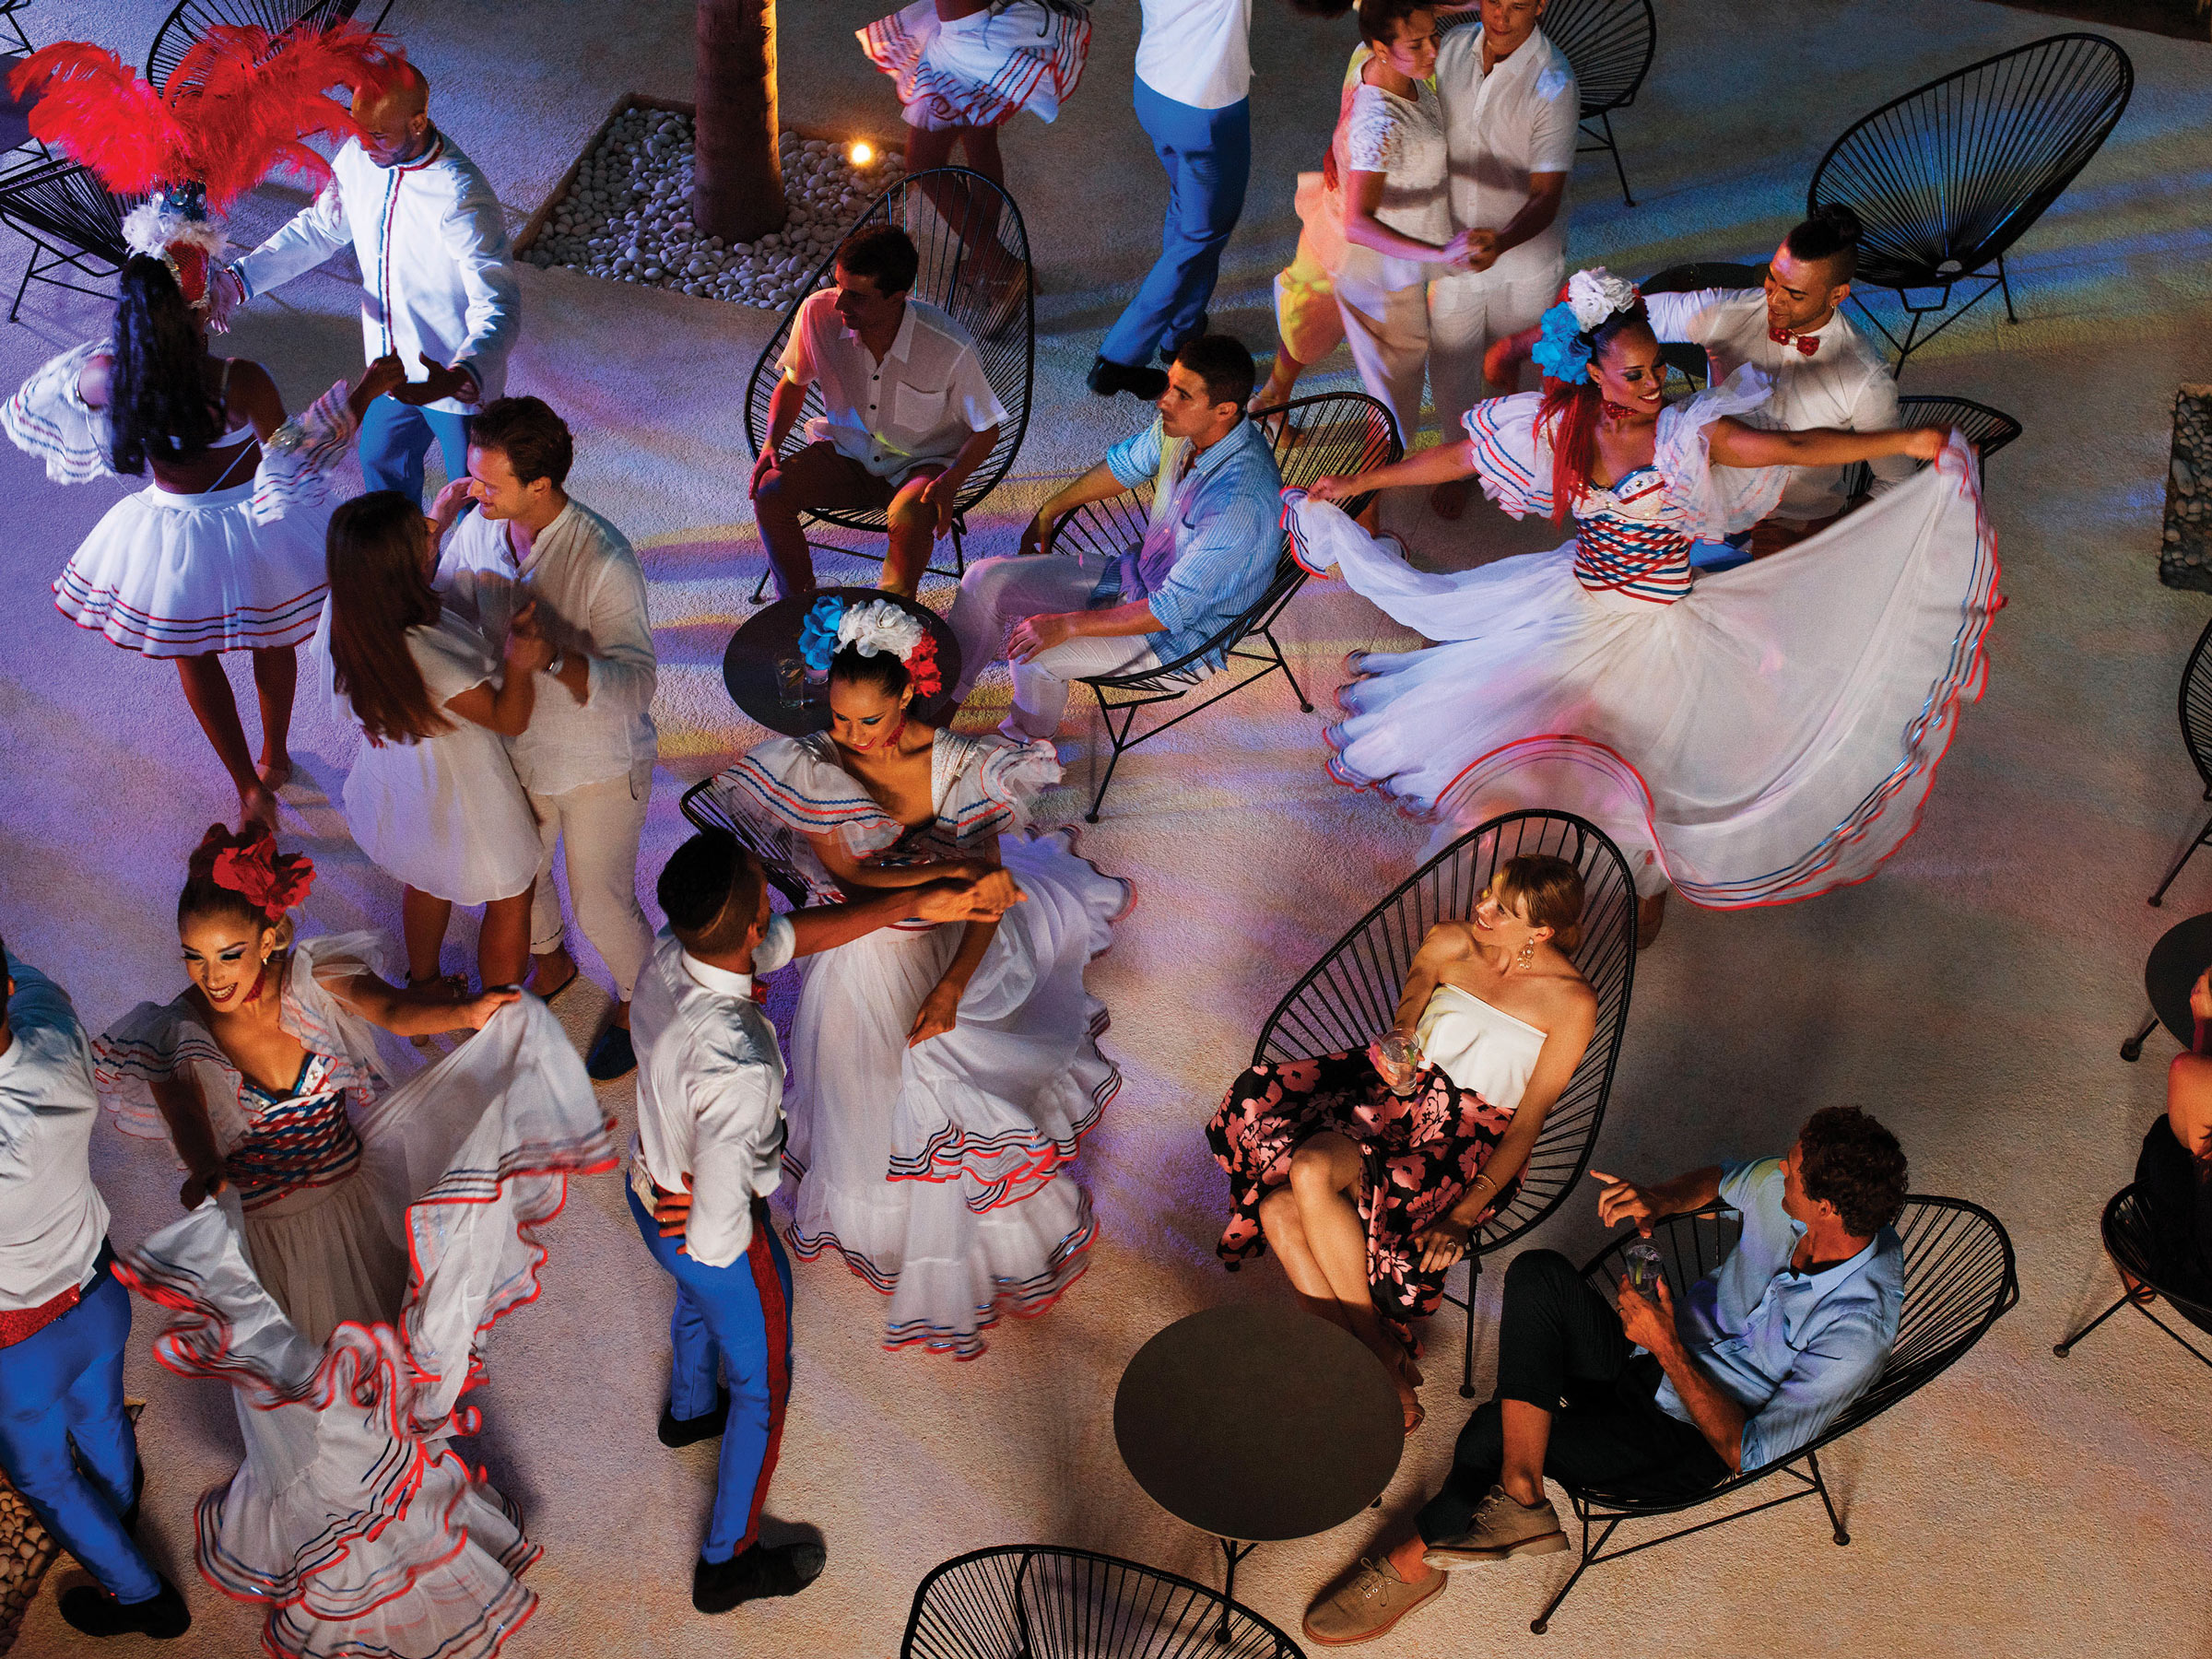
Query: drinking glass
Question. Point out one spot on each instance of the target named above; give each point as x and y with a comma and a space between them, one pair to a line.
1646, 1266
791, 682
1403, 1055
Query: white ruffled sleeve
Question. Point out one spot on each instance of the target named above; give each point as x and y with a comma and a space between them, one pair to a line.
327, 1026
161, 1043
298, 460
1512, 462
790, 781
1717, 502
49, 418
994, 784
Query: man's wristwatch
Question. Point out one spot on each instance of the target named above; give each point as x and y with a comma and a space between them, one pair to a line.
560, 661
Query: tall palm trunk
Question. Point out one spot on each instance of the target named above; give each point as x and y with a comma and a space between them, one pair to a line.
736, 177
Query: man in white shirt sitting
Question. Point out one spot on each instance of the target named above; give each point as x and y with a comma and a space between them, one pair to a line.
708, 1154
1825, 374
909, 414
586, 759
437, 286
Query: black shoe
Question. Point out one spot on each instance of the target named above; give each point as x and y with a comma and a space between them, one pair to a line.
1170, 347
686, 1431
163, 1616
611, 1056
751, 1574
1107, 377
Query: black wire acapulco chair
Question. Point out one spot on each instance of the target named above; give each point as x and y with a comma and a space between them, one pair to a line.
1608, 44
1946, 178
2131, 1240
951, 278
1029, 1601
186, 26
1959, 1279
709, 805
1987, 430
1343, 433
1687, 358
1352, 992
73, 222
2196, 736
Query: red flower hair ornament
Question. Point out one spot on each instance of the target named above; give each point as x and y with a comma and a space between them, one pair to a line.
264, 876
922, 667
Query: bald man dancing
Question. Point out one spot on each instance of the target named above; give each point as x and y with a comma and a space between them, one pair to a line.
436, 286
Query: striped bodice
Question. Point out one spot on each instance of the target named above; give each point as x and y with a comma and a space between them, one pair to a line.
1629, 540
300, 1139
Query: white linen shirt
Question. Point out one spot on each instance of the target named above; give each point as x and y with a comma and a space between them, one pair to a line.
1845, 383
436, 276
1522, 118
926, 399
710, 1091
53, 1219
1196, 52
591, 598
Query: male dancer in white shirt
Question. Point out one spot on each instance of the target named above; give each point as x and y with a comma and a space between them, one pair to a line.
586, 759
1511, 112
67, 1443
437, 286
709, 1152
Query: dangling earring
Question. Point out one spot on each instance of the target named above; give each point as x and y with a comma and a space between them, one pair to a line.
1528, 951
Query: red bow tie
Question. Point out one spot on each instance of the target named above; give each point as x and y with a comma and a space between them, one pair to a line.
1807, 345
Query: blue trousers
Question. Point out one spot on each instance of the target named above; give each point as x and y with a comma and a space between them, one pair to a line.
66, 1442
1207, 157
733, 1320
396, 435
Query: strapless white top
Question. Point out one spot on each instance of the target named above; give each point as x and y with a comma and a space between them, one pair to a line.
1479, 1047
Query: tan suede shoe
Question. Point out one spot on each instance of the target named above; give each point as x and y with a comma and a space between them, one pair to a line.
1503, 1528
1367, 1603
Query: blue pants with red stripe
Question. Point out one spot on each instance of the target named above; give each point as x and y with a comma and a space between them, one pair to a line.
395, 436
735, 1320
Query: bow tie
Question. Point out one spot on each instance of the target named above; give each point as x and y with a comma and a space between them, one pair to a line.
1807, 345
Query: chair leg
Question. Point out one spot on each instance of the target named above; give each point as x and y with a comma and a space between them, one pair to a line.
2005, 283
2063, 1349
760, 587
2132, 1049
1542, 1621
2204, 837
1283, 663
1113, 760
1466, 1352
1821, 1485
31, 267
1618, 169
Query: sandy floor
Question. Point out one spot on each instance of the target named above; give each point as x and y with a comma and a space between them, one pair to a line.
1973, 996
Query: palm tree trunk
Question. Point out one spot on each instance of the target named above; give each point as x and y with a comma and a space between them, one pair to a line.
736, 177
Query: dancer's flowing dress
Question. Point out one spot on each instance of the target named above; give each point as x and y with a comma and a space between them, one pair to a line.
979, 70
1761, 737
1422, 1150
940, 1172
344, 1287
235, 568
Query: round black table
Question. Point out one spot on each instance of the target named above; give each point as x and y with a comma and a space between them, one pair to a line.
772, 635
2182, 952
1257, 1425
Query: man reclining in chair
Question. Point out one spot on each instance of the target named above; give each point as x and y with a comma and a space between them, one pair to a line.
1207, 555
1655, 1403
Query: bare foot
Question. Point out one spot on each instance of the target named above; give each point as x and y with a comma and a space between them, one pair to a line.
1449, 499
552, 973
274, 773
257, 806
1650, 913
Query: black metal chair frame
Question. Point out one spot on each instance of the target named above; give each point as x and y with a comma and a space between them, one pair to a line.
1687, 358
961, 1611
190, 20
1950, 1230
12, 23
1108, 529
945, 263
72, 221
2195, 704
776, 849
1903, 256
1987, 430
2121, 1228
1352, 992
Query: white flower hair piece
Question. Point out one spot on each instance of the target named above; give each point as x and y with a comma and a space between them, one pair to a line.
1596, 294
879, 626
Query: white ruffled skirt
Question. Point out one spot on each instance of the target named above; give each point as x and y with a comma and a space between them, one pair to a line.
940, 1172
979, 70
1770, 736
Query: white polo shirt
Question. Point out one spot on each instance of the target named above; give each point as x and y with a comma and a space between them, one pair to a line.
1196, 52
1844, 383
1520, 119
926, 399
51, 1216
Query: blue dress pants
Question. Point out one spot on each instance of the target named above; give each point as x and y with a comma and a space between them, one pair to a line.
733, 1319
1207, 157
396, 435
66, 1442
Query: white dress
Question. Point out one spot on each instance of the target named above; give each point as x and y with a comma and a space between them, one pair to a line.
239, 568
977, 71
444, 814
940, 1172
1761, 737
350, 1518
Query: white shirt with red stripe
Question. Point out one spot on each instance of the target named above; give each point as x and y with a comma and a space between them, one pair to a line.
437, 276
51, 1218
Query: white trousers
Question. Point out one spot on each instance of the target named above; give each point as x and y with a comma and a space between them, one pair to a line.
1466, 313
1389, 334
997, 592
597, 827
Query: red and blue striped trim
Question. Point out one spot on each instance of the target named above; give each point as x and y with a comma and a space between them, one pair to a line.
248, 627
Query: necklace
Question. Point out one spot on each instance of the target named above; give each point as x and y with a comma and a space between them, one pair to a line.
1616, 412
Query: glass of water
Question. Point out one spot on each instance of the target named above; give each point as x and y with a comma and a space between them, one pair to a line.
791, 682
1401, 1054
1646, 1268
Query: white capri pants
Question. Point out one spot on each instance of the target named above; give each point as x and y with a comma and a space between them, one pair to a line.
997, 592
1466, 311
597, 827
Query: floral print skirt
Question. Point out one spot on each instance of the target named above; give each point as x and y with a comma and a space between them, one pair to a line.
1422, 1150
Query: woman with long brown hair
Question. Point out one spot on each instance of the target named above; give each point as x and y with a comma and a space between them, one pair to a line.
432, 797
1758, 737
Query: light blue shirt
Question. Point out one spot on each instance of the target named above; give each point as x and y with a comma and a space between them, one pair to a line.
1792, 1348
1216, 545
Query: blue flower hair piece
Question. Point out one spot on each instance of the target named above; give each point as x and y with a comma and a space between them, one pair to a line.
1564, 351
818, 633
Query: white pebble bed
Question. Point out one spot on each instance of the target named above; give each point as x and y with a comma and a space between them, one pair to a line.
628, 216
